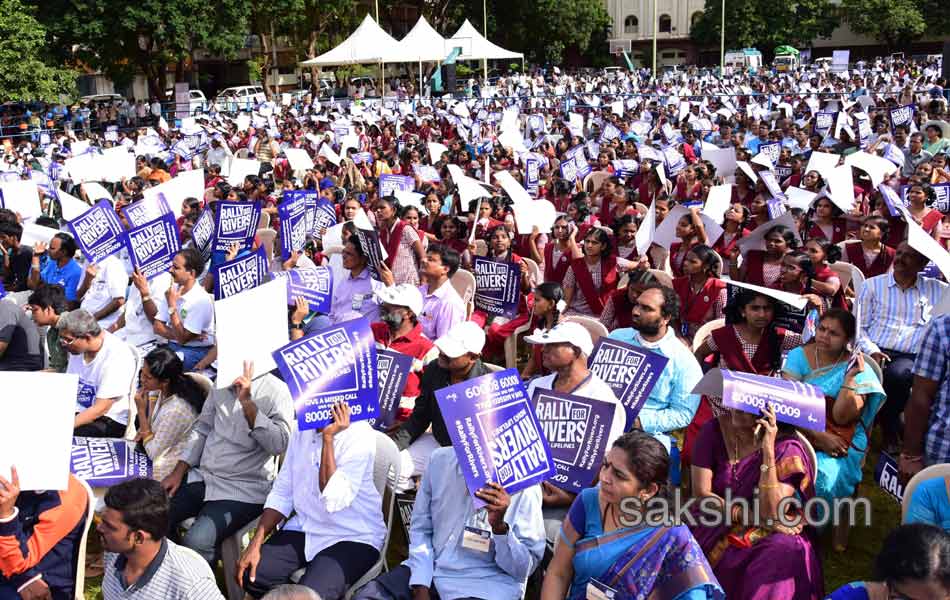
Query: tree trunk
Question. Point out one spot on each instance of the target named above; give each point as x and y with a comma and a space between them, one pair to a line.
266, 43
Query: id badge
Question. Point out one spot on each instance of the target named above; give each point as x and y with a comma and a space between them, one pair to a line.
357, 302
599, 591
476, 539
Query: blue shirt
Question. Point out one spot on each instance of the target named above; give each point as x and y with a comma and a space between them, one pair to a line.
930, 503
933, 362
670, 404
69, 276
436, 556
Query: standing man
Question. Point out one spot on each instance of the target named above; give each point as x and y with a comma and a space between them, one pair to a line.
140, 562
927, 417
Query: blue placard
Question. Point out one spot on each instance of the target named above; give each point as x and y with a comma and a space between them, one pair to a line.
390, 184
152, 246
393, 370
569, 170
824, 121
577, 430
292, 213
324, 217
902, 115
336, 364
497, 287
145, 210
104, 462
631, 372
532, 176
796, 403
202, 233
236, 223
314, 284
495, 432
887, 475
98, 232
243, 273
427, 173
773, 150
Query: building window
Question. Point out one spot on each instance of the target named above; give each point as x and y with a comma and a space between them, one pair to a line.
668, 55
695, 18
631, 24
666, 24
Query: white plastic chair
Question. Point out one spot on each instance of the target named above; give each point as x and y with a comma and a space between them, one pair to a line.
386, 471
492, 368
941, 471
662, 277
595, 328
265, 221
811, 452
511, 343
481, 248
130, 428
705, 331
81, 554
464, 283
534, 271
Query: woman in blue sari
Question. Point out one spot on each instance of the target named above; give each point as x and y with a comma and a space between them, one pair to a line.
853, 396
597, 551
914, 564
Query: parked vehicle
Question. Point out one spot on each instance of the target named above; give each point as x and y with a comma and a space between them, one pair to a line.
786, 59
242, 97
197, 102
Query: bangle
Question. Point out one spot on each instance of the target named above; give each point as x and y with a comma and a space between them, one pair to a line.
146, 298
849, 388
908, 458
768, 486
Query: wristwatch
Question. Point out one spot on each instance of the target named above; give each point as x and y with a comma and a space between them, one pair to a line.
764, 468
296, 325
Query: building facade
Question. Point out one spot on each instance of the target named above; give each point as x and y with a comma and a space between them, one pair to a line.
632, 29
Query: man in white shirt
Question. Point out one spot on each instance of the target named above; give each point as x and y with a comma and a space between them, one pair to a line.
336, 530
106, 368
103, 290
566, 347
187, 321
146, 299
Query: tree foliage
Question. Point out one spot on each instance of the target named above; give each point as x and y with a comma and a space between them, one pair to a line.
765, 24
894, 23
27, 71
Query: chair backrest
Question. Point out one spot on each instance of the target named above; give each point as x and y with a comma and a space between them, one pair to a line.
267, 236
705, 331
464, 283
843, 271
265, 220
386, 472
662, 277
641, 208
595, 328
872, 364
492, 368
595, 180
534, 270
481, 248
661, 256
81, 554
241, 153
133, 388
931, 472
810, 450
857, 278
202, 380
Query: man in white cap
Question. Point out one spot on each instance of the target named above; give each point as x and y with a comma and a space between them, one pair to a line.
459, 360
566, 347
398, 329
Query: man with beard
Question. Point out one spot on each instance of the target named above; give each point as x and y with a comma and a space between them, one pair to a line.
670, 404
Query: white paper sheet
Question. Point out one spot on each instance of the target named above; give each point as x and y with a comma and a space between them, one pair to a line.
189, 184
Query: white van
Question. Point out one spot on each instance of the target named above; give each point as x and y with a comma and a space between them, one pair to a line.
197, 103
242, 97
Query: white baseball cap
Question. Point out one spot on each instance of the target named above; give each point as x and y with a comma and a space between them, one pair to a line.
461, 339
401, 295
564, 333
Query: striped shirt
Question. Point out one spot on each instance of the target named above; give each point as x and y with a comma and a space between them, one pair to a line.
933, 362
176, 573
893, 318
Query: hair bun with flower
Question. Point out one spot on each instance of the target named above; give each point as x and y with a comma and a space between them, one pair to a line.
561, 306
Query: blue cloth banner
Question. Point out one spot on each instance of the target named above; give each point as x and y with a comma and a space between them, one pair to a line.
104, 462
292, 213
389, 184
495, 433
888, 477
314, 284
152, 246
795, 403
243, 273
236, 222
630, 371
497, 287
392, 370
336, 364
577, 429
146, 210
98, 232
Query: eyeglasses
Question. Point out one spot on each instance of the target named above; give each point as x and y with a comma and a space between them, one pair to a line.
67, 341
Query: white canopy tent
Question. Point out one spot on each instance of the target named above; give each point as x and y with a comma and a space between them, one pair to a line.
422, 44
368, 44
476, 47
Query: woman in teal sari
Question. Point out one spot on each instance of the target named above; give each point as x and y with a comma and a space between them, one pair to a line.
597, 552
853, 396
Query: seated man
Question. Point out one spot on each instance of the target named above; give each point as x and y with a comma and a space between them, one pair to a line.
229, 460
186, 319
336, 530
140, 562
443, 562
930, 503
106, 368
48, 304
442, 307
56, 266
39, 537
670, 405
19, 340
459, 360
146, 300
103, 289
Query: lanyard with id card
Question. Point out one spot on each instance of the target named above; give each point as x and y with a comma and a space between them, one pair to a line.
599, 591
476, 535
357, 303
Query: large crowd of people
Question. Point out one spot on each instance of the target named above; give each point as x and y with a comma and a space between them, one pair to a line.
826, 193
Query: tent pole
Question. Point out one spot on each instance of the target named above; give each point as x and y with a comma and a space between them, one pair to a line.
420, 78
382, 75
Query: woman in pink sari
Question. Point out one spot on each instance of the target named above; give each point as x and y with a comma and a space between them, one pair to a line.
765, 560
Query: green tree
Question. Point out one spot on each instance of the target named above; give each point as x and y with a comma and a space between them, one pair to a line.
27, 71
894, 23
765, 24
122, 38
